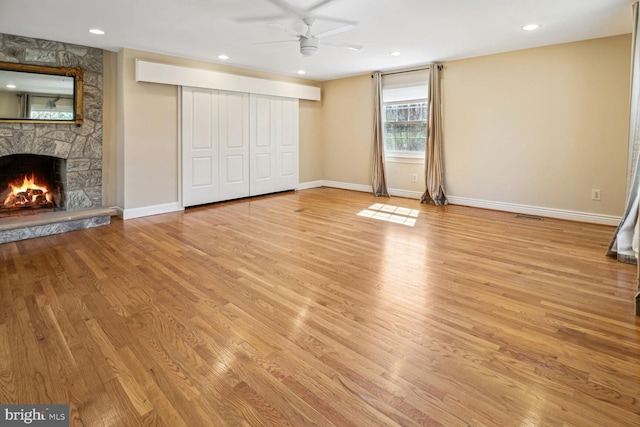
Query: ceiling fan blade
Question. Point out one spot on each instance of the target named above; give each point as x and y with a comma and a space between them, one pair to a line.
334, 19
287, 29
262, 18
289, 8
318, 4
305, 13
276, 42
334, 31
344, 45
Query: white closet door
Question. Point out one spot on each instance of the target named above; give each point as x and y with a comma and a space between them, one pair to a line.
274, 144
235, 145
287, 144
233, 121
199, 146
263, 150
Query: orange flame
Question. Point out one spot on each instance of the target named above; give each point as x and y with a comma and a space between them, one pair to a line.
31, 191
27, 183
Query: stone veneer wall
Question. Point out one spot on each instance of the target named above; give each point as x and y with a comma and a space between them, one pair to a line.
81, 146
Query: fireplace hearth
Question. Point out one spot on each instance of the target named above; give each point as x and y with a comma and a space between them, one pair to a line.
42, 195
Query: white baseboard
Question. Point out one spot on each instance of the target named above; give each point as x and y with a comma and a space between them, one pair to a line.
593, 218
149, 210
405, 193
537, 210
347, 186
464, 201
308, 185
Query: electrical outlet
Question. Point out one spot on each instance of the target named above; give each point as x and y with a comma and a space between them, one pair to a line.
414, 177
595, 194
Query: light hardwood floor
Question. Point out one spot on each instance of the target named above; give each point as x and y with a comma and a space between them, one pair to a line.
293, 310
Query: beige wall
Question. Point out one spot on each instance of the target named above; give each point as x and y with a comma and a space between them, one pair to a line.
347, 114
148, 131
9, 105
399, 176
539, 127
150, 138
311, 137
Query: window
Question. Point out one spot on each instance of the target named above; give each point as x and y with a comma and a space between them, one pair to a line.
51, 115
405, 126
405, 113
50, 107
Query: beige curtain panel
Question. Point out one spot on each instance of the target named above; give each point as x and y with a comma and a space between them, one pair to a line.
434, 164
378, 179
624, 245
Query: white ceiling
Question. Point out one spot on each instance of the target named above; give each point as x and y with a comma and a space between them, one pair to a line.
423, 30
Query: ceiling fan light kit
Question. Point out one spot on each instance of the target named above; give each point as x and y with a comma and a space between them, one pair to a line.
308, 46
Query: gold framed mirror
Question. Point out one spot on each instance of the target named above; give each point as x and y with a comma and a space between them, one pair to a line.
40, 94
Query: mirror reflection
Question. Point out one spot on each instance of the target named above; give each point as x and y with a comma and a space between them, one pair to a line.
35, 96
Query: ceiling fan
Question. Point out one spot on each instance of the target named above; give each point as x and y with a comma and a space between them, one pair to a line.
309, 42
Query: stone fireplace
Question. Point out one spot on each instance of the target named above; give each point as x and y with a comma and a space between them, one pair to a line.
69, 156
80, 155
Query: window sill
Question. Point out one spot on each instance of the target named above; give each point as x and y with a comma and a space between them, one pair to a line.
416, 159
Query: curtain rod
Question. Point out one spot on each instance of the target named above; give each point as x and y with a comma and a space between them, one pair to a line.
409, 70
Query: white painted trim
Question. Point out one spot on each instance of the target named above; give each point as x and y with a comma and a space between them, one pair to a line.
309, 184
407, 160
348, 186
153, 72
537, 210
405, 193
149, 210
180, 177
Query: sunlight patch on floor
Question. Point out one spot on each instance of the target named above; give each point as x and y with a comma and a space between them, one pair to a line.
390, 213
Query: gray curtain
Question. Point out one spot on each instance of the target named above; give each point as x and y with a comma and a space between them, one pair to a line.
624, 245
378, 179
434, 164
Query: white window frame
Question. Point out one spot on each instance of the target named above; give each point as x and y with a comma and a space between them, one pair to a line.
409, 157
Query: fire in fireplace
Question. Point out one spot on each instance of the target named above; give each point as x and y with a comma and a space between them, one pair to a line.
28, 193
30, 182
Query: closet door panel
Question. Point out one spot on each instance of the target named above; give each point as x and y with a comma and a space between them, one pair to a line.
287, 144
235, 169
199, 146
233, 140
263, 158
263, 169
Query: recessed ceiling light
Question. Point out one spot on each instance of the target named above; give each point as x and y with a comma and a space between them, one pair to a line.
223, 56
11, 86
302, 72
96, 31
531, 27
395, 53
